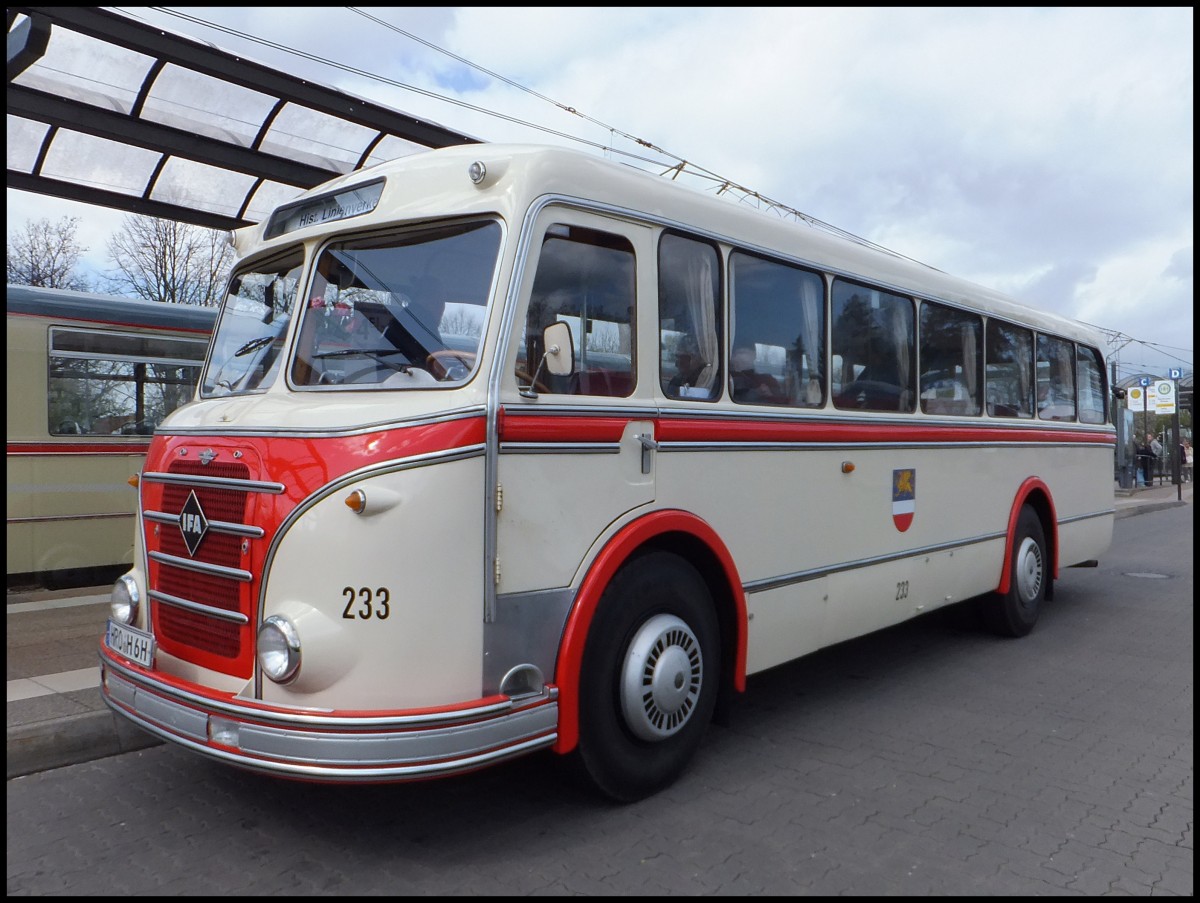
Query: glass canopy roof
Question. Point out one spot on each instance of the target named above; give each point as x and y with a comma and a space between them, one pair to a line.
107, 110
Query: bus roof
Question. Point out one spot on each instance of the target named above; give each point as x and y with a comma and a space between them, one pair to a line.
114, 310
435, 182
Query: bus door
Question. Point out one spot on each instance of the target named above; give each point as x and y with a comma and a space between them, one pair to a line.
576, 451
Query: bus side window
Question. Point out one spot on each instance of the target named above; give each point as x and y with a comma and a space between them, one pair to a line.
1055, 378
873, 334
950, 358
585, 278
1090, 383
1008, 370
778, 316
689, 318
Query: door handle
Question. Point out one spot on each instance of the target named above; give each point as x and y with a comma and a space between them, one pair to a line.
648, 446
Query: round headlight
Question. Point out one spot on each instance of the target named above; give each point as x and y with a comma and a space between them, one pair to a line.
279, 649
124, 600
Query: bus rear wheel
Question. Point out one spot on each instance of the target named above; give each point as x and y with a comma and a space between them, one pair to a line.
649, 677
1013, 614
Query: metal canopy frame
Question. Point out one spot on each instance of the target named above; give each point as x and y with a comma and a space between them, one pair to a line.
111, 111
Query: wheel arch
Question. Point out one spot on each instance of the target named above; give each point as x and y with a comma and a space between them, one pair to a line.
693, 540
1036, 494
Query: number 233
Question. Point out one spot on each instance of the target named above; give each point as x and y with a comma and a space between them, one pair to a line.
370, 603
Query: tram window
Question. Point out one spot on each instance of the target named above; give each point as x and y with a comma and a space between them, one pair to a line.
102, 382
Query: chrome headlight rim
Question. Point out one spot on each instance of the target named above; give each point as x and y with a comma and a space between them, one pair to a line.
278, 650
125, 600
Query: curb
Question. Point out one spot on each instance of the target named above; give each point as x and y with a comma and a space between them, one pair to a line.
71, 741
1146, 508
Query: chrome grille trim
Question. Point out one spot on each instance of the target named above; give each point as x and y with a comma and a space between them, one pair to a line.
216, 570
214, 482
235, 617
216, 526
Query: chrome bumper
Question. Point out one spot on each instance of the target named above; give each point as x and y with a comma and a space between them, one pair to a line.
309, 745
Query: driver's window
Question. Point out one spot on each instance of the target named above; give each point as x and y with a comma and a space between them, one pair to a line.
585, 278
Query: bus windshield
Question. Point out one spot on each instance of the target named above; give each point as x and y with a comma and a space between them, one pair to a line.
404, 311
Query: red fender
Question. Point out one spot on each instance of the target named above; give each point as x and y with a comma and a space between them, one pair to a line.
1027, 488
611, 557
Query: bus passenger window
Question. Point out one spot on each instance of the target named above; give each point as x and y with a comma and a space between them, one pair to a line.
873, 342
689, 317
1008, 370
1090, 378
778, 349
1055, 378
950, 358
585, 278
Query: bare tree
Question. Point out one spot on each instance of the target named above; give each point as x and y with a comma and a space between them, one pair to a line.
163, 260
46, 254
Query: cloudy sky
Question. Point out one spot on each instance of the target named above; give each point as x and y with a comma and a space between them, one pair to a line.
1043, 152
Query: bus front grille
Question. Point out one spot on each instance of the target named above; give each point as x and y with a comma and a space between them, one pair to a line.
203, 596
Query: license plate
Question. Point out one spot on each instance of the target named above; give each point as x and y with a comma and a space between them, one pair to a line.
130, 642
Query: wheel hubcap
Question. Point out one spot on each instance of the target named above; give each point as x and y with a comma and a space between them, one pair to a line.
1029, 570
661, 678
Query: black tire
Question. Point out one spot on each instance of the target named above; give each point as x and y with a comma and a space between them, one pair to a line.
1014, 613
649, 678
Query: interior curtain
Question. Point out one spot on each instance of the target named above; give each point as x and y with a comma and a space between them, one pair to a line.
1023, 354
971, 362
810, 308
900, 336
702, 307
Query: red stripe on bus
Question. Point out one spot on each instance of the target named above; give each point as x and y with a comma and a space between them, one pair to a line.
834, 433
586, 428
540, 428
78, 448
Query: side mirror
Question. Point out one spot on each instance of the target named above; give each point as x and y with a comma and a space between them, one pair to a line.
558, 359
560, 350
1119, 394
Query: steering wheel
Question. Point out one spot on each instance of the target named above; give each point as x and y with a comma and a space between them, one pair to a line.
525, 379
450, 364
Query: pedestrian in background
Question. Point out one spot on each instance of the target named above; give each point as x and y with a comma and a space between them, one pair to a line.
1145, 460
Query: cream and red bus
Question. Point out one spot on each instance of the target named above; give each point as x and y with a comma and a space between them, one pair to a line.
506, 448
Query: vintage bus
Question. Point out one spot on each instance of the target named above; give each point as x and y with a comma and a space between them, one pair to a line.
506, 448
89, 377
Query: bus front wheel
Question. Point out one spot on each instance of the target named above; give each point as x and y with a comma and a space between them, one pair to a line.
649, 677
1014, 613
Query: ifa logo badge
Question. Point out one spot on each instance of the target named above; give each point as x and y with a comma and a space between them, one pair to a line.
904, 497
192, 523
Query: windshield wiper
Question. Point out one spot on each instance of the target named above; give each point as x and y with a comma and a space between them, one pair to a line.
254, 345
375, 354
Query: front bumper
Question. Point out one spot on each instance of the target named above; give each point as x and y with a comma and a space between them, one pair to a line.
317, 745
